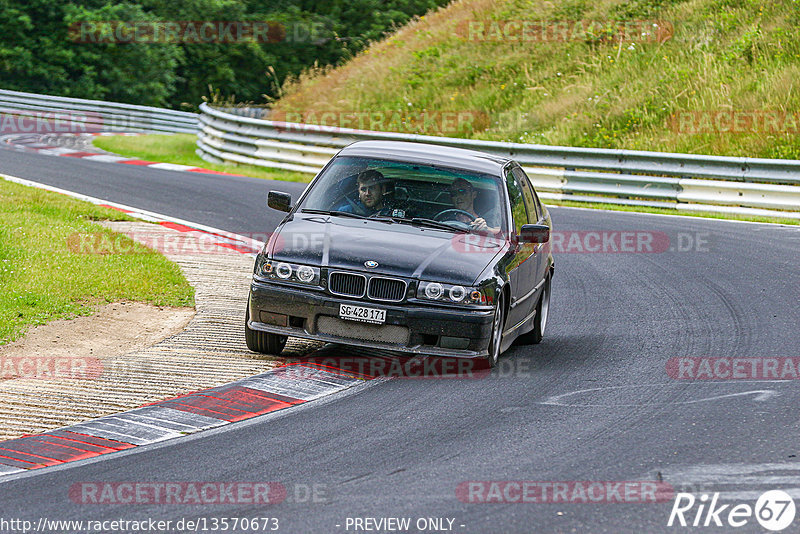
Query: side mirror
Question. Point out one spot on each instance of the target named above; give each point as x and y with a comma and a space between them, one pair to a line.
534, 233
280, 201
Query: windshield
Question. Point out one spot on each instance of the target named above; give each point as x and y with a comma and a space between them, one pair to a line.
462, 200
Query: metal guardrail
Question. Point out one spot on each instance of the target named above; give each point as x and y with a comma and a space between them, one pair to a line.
686, 181
98, 115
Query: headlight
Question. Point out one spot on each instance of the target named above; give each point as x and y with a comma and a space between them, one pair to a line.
454, 294
284, 271
305, 273
290, 272
434, 291
457, 293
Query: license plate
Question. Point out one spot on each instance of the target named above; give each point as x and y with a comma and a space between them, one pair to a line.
361, 313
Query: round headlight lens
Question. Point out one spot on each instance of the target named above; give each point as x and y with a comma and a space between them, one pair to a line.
305, 273
457, 293
266, 268
434, 290
283, 270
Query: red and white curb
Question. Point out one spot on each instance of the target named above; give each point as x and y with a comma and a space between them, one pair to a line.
277, 389
32, 143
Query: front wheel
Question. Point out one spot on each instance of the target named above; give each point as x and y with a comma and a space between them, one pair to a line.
497, 332
263, 342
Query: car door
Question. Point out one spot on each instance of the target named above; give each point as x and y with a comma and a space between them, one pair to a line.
520, 268
535, 216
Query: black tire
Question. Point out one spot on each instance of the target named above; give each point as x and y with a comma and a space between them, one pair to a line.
536, 335
263, 342
497, 330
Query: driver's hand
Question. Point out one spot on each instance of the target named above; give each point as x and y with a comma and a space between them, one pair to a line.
479, 224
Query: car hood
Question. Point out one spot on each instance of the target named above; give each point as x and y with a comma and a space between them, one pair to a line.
400, 249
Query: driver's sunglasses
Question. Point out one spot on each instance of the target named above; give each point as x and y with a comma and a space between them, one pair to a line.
460, 191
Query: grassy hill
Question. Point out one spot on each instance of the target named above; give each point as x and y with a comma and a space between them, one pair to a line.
591, 86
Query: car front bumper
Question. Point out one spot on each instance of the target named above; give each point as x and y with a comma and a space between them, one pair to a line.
409, 327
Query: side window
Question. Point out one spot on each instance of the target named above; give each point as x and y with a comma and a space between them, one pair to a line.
532, 202
515, 194
539, 209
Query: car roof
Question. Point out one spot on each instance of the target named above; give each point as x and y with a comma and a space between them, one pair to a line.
445, 156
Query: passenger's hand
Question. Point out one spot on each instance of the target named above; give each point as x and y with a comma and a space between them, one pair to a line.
479, 224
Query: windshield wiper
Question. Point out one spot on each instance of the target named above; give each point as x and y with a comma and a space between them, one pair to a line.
419, 221
336, 213
388, 219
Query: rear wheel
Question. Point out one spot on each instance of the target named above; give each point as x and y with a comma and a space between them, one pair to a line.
497, 331
263, 342
536, 335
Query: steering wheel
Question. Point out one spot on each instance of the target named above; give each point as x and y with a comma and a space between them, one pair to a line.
446, 215
358, 210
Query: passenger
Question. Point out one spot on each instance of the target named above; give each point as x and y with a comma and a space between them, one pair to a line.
463, 195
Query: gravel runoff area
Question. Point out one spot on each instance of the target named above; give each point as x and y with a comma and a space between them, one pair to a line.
90, 382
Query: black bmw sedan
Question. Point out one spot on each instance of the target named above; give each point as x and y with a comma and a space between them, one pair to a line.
410, 247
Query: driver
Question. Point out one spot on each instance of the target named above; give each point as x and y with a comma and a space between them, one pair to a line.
463, 196
373, 188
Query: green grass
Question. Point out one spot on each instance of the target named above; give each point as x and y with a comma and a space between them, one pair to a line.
43, 279
668, 211
737, 55
180, 149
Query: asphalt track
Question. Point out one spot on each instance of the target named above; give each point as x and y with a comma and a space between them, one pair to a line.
593, 402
